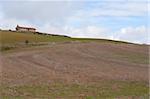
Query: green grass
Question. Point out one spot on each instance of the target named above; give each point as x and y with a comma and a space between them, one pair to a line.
9, 37
105, 90
12, 39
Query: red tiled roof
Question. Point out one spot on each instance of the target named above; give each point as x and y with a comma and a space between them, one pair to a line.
25, 27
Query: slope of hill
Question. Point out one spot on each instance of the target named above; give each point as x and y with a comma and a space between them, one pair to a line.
20, 37
13, 39
77, 70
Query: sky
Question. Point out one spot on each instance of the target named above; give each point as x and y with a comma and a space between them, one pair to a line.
125, 20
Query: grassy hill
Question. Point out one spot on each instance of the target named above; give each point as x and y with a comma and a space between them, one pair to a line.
77, 70
13, 39
9, 37
86, 69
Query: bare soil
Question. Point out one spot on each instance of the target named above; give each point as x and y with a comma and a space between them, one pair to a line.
78, 62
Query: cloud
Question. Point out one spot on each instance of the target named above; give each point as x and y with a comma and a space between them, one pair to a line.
10, 23
117, 8
89, 31
85, 32
131, 34
38, 12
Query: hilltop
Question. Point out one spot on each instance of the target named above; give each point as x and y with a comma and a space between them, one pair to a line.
12, 39
71, 68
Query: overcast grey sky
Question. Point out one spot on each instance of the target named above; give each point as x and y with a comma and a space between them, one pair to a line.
125, 20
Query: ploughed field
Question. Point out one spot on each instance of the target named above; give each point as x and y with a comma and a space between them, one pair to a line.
75, 70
